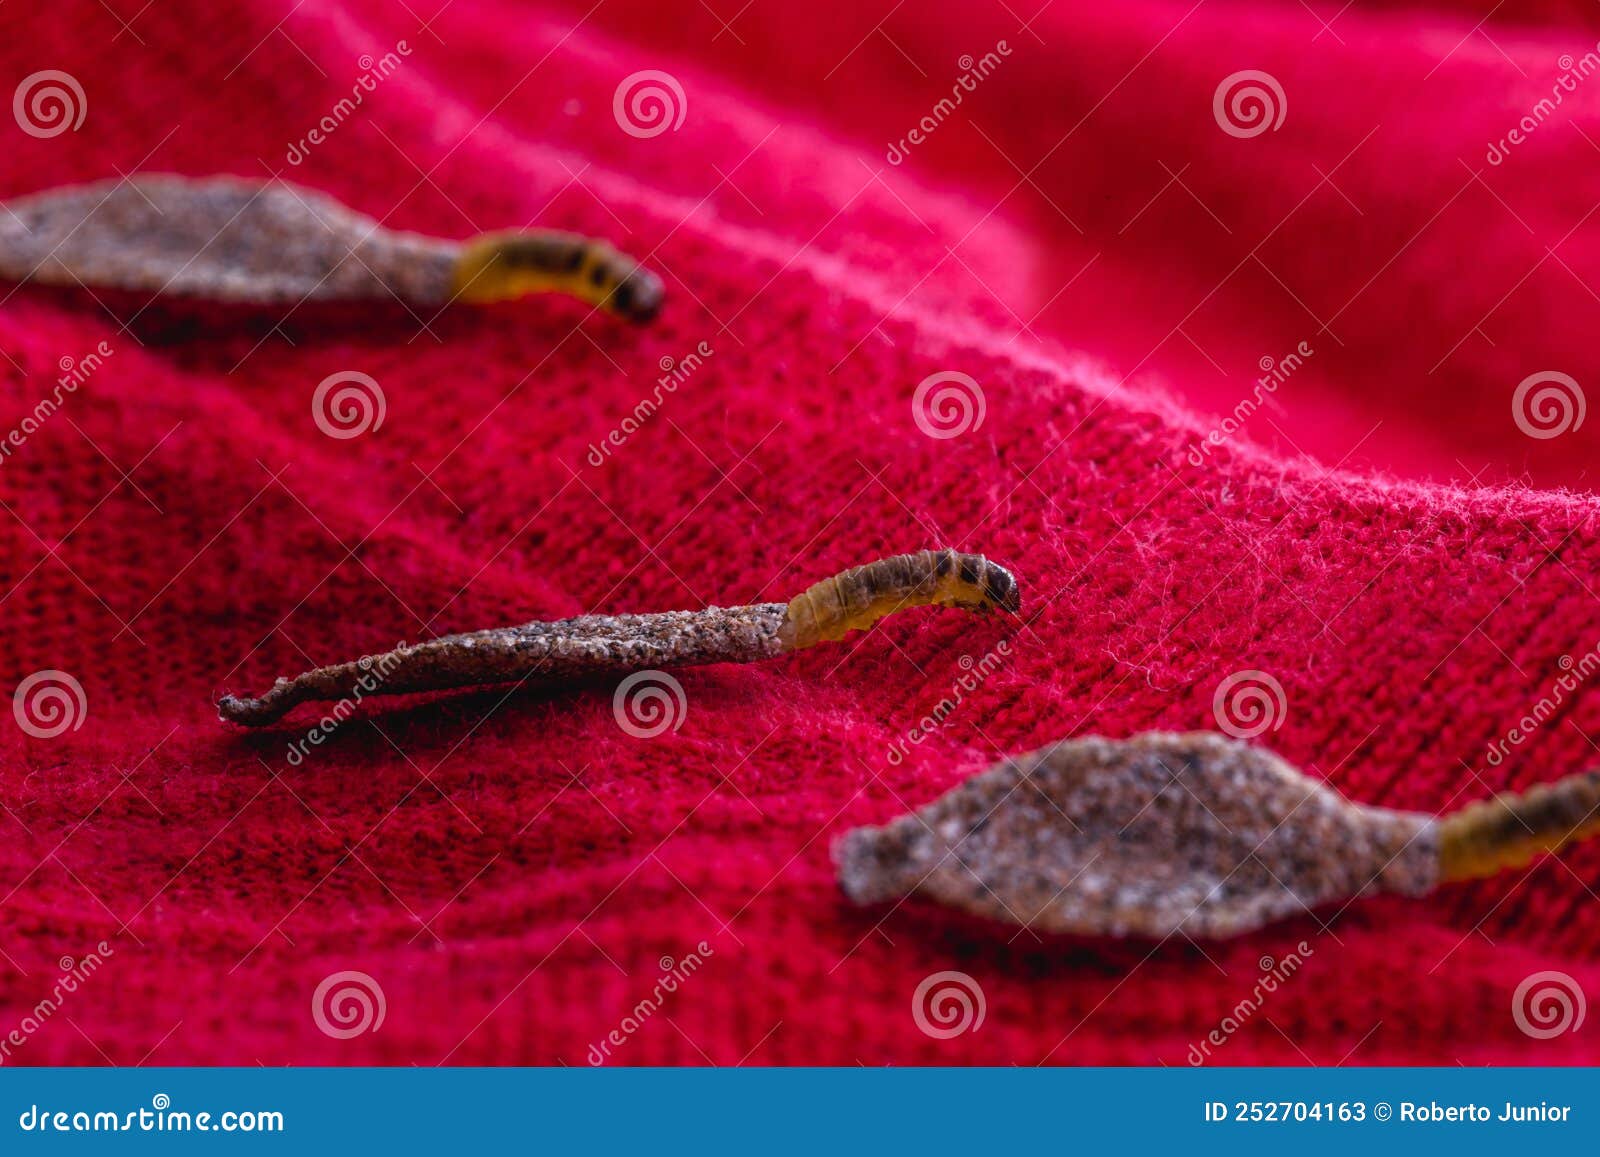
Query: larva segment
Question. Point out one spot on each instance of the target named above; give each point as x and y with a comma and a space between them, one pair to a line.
1513, 828
500, 266
855, 599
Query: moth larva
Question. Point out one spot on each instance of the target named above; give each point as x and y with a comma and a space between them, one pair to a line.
501, 266
272, 242
1511, 829
855, 599
591, 645
1164, 834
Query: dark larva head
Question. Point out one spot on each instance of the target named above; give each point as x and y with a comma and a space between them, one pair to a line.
638, 296
1001, 587
623, 286
991, 583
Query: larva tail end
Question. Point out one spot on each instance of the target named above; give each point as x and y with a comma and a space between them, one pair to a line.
257, 712
870, 864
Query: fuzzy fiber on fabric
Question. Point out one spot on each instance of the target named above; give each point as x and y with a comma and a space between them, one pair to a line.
1081, 237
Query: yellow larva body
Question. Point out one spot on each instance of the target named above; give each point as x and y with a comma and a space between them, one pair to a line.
855, 599
502, 266
1511, 829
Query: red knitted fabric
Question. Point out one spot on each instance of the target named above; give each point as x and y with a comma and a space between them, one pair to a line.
1081, 235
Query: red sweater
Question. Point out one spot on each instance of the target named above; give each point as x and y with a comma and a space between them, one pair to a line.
1093, 234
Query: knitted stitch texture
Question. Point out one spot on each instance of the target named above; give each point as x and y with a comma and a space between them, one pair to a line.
1081, 237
